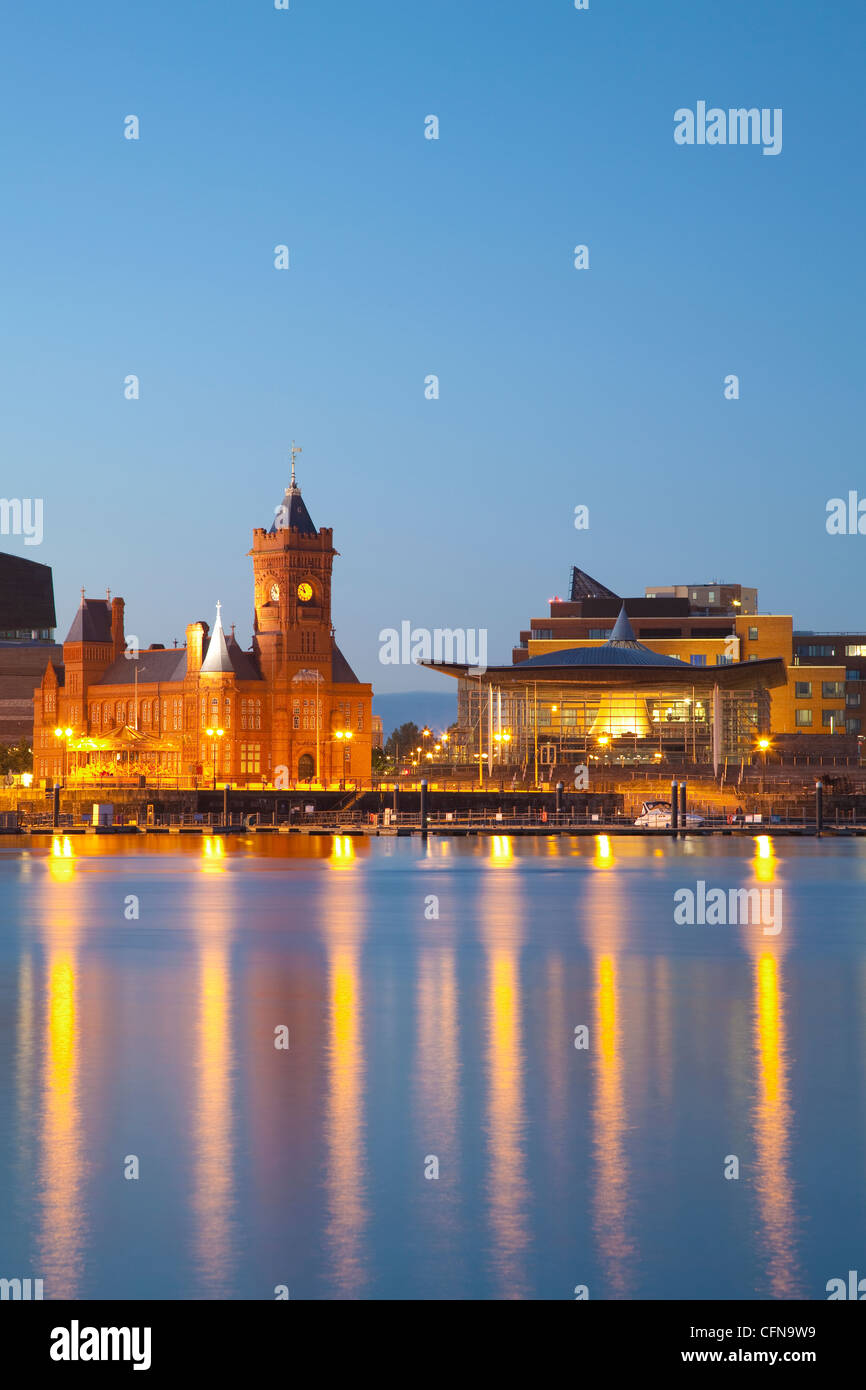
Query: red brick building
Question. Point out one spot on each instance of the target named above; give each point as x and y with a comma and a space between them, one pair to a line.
288, 711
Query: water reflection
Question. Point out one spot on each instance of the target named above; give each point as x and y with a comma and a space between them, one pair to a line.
437, 1085
61, 1160
501, 911
346, 1196
213, 1197
773, 1114
609, 1119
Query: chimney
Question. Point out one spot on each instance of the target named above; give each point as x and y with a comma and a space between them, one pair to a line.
195, 633
118, 640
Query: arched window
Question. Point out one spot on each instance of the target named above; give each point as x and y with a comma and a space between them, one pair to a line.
306, 767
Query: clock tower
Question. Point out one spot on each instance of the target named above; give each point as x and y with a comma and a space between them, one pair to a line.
317, 711
292, 565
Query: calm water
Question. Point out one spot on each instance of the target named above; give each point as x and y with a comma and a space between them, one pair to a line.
414, 1037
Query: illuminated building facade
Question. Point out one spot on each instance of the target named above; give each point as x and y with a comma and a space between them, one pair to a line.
289, 711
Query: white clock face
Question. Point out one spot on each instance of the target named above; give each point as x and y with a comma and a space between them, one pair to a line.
275, 592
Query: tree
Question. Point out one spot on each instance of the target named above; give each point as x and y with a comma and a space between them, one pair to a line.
16, 757
381, 760
402, 740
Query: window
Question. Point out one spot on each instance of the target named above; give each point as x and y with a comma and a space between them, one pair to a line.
722, 660
832, 690
753, 658
227, 715
250, 758
852, 700
803, 690
753, 634
803, 718
296, 714
853, 726
251, 714
603, 632
852, 675
832, 717
855, 651
360, 720
177, 714
697, 659
711, 596
815, 651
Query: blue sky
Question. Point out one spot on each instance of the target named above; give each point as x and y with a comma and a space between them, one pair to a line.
454, 257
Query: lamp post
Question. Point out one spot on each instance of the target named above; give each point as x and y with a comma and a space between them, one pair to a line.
215, 735
66, 735
343, 736
763, 744
502, 740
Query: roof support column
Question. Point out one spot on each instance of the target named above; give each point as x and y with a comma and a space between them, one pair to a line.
717, 729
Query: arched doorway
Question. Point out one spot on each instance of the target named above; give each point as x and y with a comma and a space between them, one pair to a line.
306, 767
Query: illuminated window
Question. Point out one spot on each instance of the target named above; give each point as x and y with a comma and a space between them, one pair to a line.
753, 634
250, 758
803, 717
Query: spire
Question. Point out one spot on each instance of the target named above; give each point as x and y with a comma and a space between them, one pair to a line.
217, 659
623, 632
292, 512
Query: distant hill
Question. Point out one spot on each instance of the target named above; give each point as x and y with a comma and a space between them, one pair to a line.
421, 706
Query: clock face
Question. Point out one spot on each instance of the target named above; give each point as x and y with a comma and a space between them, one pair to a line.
305, 592
275, 592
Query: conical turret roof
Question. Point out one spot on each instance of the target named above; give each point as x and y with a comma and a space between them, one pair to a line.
217, 661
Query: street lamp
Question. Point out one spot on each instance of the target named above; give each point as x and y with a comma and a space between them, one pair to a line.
343, 736
214, 735
763, 744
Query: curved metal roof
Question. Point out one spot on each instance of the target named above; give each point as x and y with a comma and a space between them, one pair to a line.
606, 655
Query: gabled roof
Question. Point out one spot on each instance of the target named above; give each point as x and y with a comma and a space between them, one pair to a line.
341, 671
92, 622
163, 665
243, 663
584, 586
